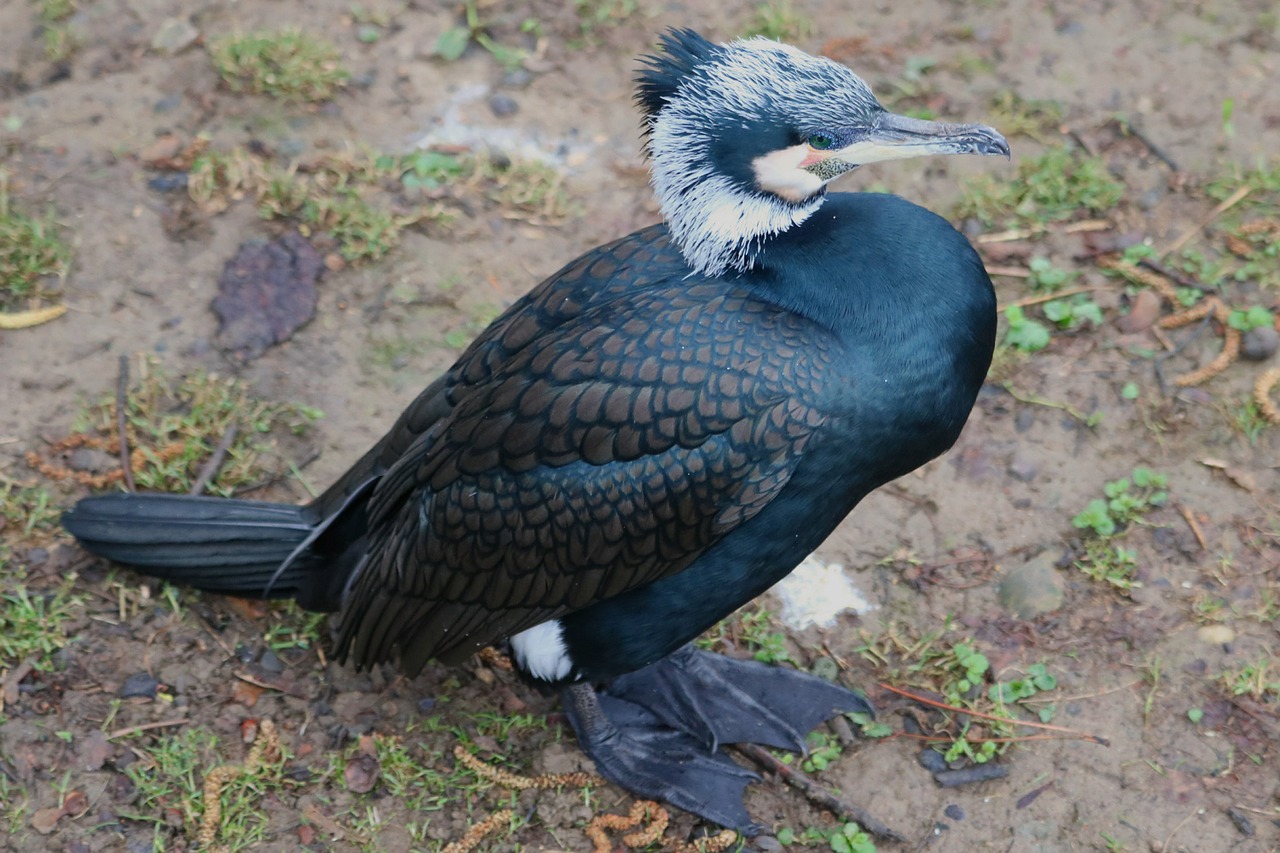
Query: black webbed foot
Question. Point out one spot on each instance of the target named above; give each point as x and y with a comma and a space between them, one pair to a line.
721, 700
656, 732
635, 750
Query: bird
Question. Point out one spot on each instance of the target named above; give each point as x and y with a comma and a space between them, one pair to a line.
648, 439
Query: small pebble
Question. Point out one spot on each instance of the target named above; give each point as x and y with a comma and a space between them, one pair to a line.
169, 183
768, 844
1023, 466
954, 812
1216, 635
139, 684
168, 103
517, 78
1259, 344
271, 662
174, 36
37, 557
1142, 314
503, 105
1032, 589
426, 704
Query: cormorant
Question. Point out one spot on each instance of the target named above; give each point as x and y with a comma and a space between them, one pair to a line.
651, 437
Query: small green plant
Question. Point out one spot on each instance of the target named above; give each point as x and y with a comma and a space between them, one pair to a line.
287, 64
1060, 184
59, 41
1106, 521
32, 625
177, 424
1018, 116
597, 16
1045, 277
1249, 419
27, 506
779, 21
454, 41
850, 838
1023, 333
31, 253
1074, 312
1258, 679
1126, 502
842, 838
168, 780
1255, 317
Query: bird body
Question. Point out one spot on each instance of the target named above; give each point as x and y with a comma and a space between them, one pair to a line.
651, 437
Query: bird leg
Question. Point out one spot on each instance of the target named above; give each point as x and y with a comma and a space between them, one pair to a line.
656, 732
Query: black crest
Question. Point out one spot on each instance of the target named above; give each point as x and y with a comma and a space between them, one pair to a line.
661, 74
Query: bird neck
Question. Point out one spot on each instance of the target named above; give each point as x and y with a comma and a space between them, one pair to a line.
719, 220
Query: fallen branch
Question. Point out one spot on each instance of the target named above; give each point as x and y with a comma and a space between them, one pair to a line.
122, 391
817, 794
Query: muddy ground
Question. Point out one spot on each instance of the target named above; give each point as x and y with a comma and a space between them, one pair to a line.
1197, 80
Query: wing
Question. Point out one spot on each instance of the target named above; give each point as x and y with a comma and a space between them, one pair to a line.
593, 457
635, 262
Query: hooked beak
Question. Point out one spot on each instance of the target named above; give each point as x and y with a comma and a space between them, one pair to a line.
897, 137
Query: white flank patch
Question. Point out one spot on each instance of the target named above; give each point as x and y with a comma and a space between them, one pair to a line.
540, 651
815, 593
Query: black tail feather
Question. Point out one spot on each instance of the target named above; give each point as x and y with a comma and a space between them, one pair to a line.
216, 544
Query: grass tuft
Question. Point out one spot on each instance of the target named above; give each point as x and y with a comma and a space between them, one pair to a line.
287, 64
31, 253
1062, 183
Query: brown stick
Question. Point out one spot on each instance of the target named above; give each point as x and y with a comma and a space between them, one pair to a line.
146, 727
215, 461
1173, 275
933, 703
817, 794
122, 399
1195, 527
1228, 203
1049, 297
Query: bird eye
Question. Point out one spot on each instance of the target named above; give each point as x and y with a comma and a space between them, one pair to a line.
821, 141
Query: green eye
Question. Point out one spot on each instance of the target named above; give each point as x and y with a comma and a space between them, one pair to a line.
821, 141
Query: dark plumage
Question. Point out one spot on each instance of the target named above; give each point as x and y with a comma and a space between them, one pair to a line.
651, 437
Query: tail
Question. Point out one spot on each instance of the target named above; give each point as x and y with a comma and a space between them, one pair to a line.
234, 547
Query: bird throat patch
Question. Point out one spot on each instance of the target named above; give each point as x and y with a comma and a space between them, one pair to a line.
781, 173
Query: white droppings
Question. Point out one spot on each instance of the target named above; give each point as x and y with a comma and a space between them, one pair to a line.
816, 592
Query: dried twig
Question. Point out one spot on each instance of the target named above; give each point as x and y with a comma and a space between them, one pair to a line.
146, 727
122, 392
211, 467
1048, 297
934, 703
1186, 236
817, 794
1195, 527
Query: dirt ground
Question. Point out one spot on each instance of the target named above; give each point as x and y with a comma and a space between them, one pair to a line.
1192, 765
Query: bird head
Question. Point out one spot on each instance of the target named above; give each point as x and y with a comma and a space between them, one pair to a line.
744, 138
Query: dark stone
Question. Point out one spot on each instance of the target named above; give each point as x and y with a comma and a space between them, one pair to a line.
932, 760
168, 183
503, 105
271, 662
265, 293
1023, 467
139, 684
954, 812
1259, 344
